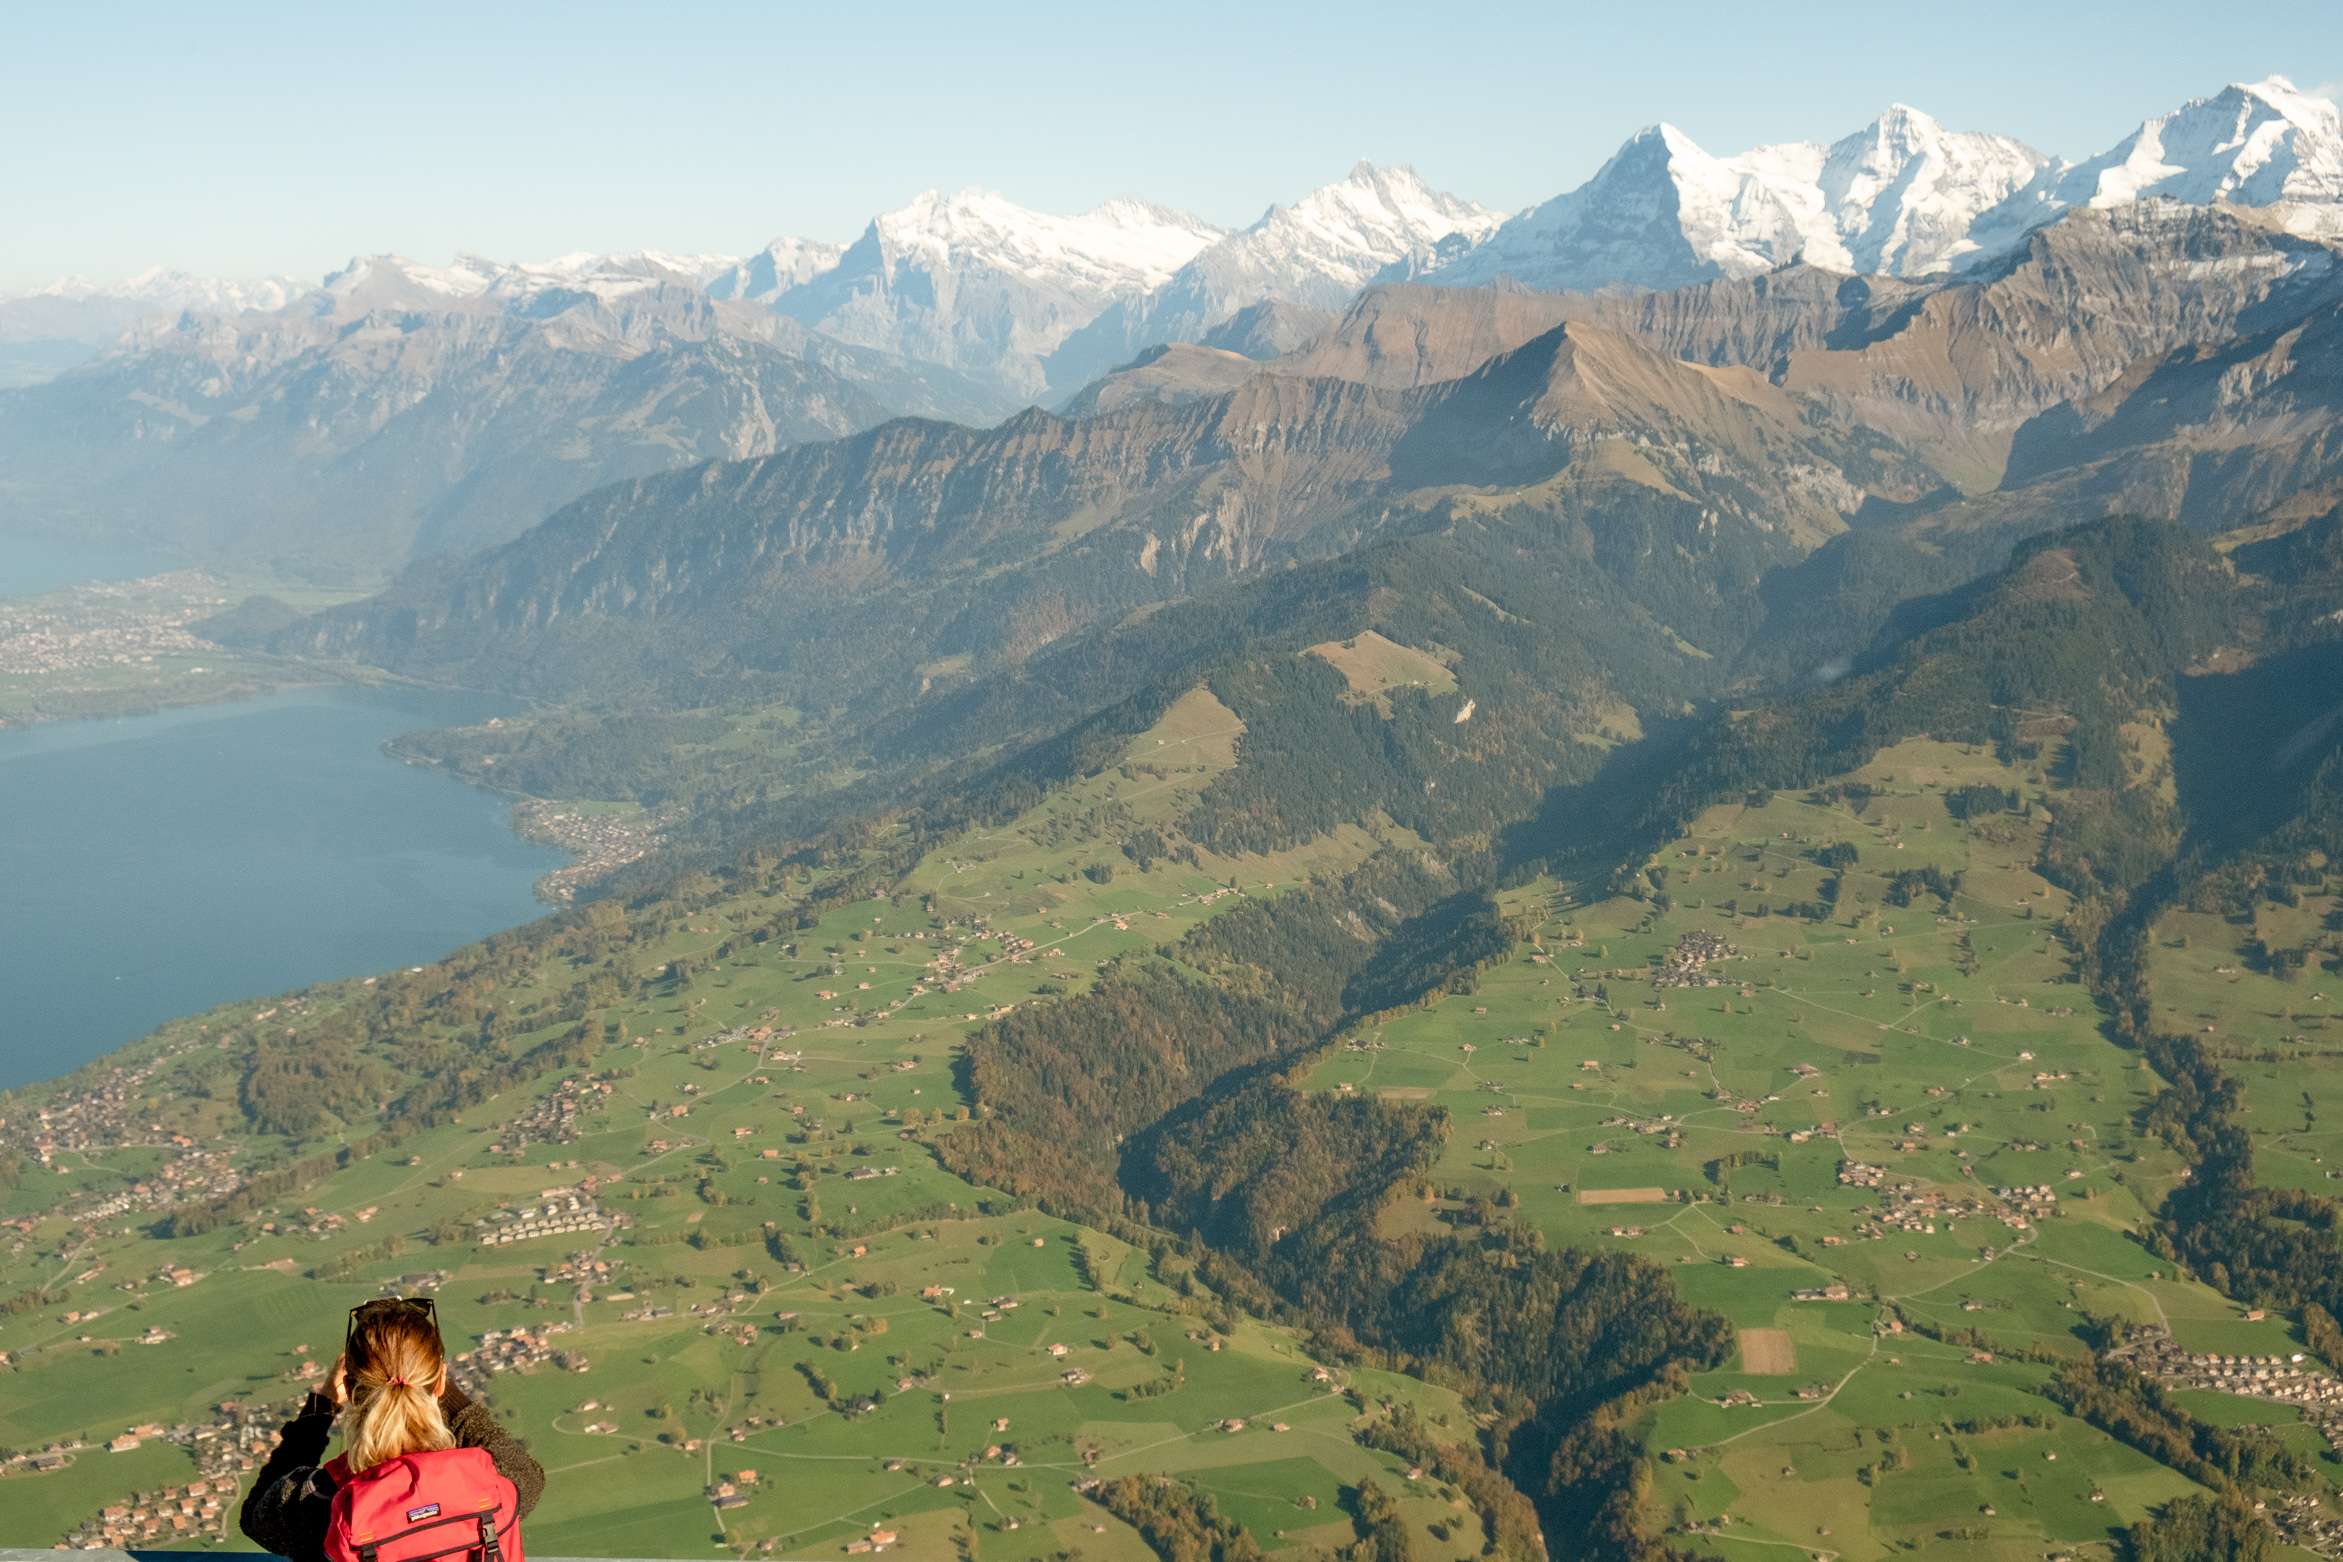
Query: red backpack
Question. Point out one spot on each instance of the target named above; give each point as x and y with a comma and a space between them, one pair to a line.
451, 1503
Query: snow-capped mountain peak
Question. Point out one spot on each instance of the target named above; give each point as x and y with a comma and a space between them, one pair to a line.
1899, 195
2261, 143
395, 283
1346, 232
610, 277
779, 266
1119, 245
1309, 258
1374, 221
974, 281
1902, 193
168, 287
1661, 212
2256, 143
370, 282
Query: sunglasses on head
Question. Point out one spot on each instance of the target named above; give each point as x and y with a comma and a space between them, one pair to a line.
387, 1306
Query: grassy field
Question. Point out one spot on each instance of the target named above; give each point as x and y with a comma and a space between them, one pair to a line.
1717, 1127
2277, 1030
795, 1288
1373, 666
1859, 1104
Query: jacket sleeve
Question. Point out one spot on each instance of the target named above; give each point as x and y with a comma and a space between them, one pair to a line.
291, 1499
474, 1427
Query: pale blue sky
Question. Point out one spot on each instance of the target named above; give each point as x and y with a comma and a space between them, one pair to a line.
243, 138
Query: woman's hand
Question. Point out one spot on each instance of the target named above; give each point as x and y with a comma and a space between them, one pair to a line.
335, 1390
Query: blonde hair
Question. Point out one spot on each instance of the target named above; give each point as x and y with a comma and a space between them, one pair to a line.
394, 1376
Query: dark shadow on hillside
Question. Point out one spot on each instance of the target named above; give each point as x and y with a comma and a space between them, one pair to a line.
1580, 825
2249, 744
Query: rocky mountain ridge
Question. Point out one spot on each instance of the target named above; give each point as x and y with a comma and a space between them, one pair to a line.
401, 411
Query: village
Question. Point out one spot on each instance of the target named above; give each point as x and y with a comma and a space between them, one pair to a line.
238, 1437
565, 1211
232, 1444
2291, 1379
111, 1113
1687, 965
106, 625
600, 841
517, 1350
553, 1118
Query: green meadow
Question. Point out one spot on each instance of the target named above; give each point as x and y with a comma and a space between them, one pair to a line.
1946, 1042
793, 1287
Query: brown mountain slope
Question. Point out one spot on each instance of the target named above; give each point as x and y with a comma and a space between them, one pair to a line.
2211, 436
1172, 374
1948, 367
1955, 373
984, 544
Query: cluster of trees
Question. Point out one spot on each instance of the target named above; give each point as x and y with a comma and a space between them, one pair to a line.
1979, 800
1178, 1522
298, 1086
1443, 949
29, 1301
1060, 1084
1166, 1098
2222, 1528
1244, 1165
2278, 1246
649, 757
2136, 1410
1908, 884
1313, 947
1509, 1523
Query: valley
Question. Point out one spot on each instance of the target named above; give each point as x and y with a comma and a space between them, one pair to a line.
1888, 1142
1655, 878
788, 1284
100, 648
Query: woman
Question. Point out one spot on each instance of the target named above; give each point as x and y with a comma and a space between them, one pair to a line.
392, 1374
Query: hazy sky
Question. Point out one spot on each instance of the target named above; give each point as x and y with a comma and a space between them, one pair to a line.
244, 138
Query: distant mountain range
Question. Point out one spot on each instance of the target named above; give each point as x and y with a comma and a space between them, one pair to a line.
399, 411
503, 390
72, 320
2162, 360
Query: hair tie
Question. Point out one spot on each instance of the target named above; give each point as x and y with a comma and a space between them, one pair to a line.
394, 1383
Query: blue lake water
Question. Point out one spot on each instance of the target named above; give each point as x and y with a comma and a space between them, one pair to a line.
157, 865
30, 565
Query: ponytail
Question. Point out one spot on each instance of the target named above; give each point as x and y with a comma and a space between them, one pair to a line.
394, 1393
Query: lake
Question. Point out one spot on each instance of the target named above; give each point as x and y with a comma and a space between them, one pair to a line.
31, 566
157, 865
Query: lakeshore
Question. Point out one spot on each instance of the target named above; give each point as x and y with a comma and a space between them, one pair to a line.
159, 864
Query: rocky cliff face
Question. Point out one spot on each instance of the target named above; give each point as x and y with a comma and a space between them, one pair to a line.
2210, 435
1955, 373
1949, 367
